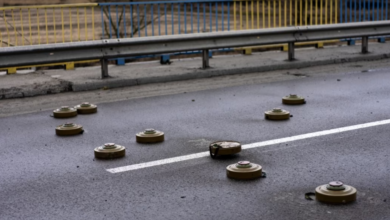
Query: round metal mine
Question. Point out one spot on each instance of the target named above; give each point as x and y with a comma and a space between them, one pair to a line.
150, 136
86, 108
293, 99
110, 151
244, 170
335, 192
64, 112
224, 148
277, 114
69, 129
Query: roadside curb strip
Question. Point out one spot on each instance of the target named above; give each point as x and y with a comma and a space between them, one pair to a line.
116, 82
213, 72
35, 90
104, 83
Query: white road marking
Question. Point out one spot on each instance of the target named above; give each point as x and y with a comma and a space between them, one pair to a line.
247, 146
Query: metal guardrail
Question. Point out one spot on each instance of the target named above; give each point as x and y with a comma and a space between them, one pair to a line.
106, 49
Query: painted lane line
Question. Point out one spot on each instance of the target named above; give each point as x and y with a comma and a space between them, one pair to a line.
158, 162
248, 146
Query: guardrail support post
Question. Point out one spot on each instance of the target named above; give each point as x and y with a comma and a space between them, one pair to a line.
382, 40
364, 45
351, 42
320, 45
165, 59
104, 64
247, 51
120, 61
11, 70
291, 55
205, 59
69, 66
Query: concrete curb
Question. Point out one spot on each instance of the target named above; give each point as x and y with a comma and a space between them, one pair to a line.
104, 83
213, 72
52, 87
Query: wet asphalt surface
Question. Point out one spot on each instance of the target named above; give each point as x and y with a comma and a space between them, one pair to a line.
44, 176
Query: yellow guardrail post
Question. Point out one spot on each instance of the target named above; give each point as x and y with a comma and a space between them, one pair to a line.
85, 22
54, 25
320, 11
246, 15
29, 24
13, 23
39, 34
93, 23
285, 13
311, 12
21, 24
291, 19
70, 24
280, 14
295, 13
1, 38
300, 13
306, 9
252, 15
331, 11
11, 70
263, 10
320, 44
78, 23
326, 11
258, 14
335, 12
274, 13
69, 66
6, 26
47, 32
240, 15
62, 22
315, 14
247, 50
269, 13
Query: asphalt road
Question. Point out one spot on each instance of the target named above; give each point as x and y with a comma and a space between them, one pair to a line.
44, 176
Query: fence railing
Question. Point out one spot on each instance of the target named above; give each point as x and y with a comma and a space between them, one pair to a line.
363, 10
140, 19
31, 25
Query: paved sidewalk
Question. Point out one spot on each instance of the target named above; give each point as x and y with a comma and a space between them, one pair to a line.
88, 78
